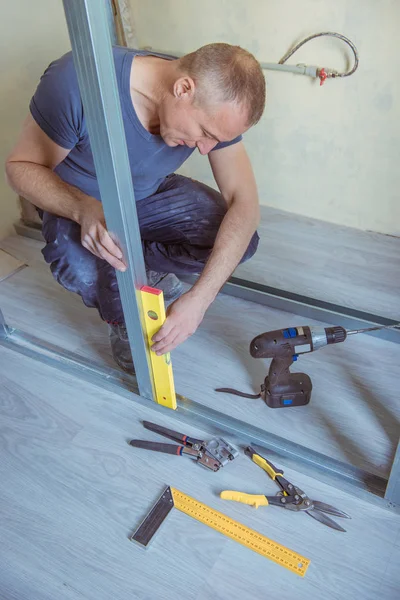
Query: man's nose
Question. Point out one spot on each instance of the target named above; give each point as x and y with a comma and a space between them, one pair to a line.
205, 146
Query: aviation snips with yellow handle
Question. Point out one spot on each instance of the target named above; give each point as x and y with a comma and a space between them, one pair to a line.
290, 497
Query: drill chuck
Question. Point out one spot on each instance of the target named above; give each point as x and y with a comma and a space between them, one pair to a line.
322, 336
334, 335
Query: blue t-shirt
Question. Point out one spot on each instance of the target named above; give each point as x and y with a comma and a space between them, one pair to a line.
57, 108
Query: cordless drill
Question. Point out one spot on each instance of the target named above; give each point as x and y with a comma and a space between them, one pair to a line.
281, 387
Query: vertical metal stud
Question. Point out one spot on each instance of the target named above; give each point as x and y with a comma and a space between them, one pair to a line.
89, 32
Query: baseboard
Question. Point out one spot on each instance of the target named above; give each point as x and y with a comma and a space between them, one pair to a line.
31, 230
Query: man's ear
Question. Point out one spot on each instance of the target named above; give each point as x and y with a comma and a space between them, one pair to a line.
184, 88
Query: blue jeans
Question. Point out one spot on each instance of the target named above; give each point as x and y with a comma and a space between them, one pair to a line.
178, 226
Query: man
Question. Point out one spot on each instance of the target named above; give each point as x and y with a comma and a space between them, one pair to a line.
204, 100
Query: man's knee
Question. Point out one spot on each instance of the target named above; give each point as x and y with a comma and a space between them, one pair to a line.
252, 247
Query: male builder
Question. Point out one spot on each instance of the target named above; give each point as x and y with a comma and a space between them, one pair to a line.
204, 100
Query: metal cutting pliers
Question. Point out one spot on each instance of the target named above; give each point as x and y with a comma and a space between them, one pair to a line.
290, 496
212, 454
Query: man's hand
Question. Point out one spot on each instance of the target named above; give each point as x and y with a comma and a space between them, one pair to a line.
95, 237
183, 318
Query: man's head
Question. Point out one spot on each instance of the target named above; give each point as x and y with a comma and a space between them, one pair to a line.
217, 93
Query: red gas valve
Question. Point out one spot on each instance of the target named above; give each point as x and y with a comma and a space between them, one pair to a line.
322, 76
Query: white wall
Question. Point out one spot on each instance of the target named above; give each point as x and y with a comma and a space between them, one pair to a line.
32, 34
328, 152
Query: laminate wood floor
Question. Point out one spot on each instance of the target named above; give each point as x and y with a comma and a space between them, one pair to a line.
72, 490
354, 413
342, 265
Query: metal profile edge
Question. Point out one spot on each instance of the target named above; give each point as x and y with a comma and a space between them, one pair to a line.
353, 480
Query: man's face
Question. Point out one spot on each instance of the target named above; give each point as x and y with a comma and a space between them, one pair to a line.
182, 122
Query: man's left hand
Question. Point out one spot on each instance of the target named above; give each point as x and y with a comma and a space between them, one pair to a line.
183, 318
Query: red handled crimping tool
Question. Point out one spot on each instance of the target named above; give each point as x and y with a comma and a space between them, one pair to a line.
213, 454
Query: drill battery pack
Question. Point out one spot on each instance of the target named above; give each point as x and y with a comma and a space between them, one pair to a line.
296, 391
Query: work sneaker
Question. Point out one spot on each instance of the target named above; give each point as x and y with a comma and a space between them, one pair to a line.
167, 282
120, 348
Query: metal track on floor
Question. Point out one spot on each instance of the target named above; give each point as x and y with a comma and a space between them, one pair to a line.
305, 306
341, 475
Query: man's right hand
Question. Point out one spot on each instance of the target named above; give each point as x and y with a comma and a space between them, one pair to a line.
30, 172
95, 237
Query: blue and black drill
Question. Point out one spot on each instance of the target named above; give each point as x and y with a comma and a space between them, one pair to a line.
281, 388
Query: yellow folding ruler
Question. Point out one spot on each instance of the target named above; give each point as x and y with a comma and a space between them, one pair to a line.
154, 317
236, 531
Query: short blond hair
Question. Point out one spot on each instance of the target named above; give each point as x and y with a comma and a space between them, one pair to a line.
227, 73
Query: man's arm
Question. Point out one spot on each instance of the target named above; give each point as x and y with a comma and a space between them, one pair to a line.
235, 179
234, 176
29, 171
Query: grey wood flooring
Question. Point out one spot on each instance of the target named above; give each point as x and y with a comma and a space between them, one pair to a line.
72, 490
342, 265
354, 413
